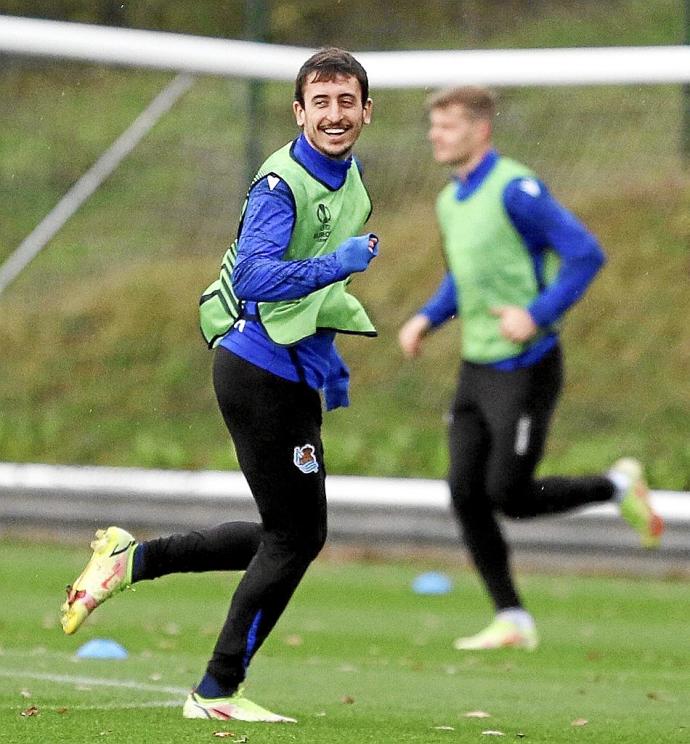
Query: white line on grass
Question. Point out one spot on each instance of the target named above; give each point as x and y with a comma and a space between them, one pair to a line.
109, 706
70, 679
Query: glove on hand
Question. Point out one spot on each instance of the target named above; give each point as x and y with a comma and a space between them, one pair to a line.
336, 394
355, 253
336, 387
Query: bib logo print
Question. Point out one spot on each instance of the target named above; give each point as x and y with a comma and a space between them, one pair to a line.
305, 459
323, 215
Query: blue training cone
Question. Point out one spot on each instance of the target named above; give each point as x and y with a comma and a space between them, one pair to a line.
102, 648
432, 583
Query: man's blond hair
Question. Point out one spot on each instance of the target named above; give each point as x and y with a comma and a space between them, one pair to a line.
480, 103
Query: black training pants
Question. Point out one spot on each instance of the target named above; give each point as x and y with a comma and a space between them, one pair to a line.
499, 424
276, 428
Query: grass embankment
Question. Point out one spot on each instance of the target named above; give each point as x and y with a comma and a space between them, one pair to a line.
356, 657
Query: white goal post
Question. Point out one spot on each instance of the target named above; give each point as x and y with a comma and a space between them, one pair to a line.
399, 69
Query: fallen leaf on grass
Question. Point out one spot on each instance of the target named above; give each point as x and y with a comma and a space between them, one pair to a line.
492, 733
477, 714
580, 722
171, 629
347, 699
49, 621
32, 710
223, 734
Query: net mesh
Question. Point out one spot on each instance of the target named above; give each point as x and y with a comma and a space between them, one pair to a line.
182, 188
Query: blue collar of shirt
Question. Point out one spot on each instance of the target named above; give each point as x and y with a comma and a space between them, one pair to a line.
330, 172
468, 185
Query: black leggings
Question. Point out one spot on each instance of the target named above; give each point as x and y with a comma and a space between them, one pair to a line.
270, 421
498, 429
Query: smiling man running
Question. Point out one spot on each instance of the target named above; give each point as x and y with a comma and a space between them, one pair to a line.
272, 317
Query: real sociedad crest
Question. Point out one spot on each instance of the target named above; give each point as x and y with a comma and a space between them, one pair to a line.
305, 459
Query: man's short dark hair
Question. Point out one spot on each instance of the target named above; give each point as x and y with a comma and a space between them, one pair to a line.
330, 63
479, 102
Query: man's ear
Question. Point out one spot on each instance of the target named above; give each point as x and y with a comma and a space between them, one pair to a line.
299, 113
487, 129
366, 116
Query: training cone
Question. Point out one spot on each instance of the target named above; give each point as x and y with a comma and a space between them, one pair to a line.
432, 583
102, 648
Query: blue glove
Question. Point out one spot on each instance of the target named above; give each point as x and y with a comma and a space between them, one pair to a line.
355, 253
336, 394
337, 384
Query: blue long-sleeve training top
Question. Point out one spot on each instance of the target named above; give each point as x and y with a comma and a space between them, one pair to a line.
260, 275
543, 224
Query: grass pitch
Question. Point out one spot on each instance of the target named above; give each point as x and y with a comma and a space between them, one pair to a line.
357, 658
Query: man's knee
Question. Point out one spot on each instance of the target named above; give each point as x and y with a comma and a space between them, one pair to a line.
470, 504
314, 542
300, 546
508, 498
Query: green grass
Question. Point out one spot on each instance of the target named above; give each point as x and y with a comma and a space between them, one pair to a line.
357, 657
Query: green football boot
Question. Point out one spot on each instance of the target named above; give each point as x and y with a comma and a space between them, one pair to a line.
233, 708
502, 633
635, 507
108, 572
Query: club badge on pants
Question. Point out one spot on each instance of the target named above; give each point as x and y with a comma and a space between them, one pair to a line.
305, 459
